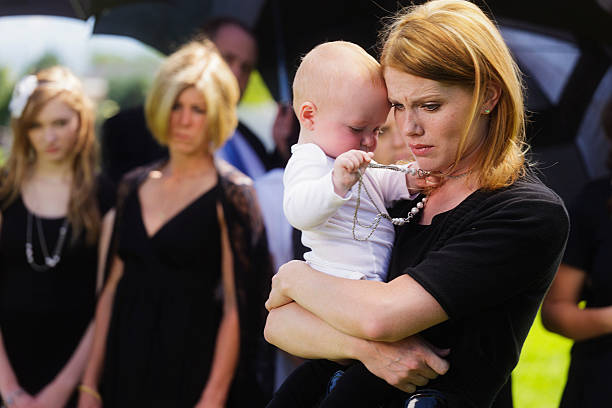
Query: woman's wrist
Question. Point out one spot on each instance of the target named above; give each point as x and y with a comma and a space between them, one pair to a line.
11, 397
90, 391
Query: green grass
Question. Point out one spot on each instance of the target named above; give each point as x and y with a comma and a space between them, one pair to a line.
539, 377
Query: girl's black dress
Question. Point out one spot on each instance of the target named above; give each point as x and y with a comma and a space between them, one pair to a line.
167, 307
44, 314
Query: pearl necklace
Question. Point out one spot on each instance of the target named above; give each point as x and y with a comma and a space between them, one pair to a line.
395, 221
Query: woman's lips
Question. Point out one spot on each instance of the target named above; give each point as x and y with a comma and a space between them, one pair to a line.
420, 149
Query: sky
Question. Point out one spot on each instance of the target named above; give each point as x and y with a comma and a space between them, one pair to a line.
24, 39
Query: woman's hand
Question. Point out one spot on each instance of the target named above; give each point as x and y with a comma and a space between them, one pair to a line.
405, 364
277, 297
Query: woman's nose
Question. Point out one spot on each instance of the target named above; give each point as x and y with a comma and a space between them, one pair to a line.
410, 125
185, 117
49, 134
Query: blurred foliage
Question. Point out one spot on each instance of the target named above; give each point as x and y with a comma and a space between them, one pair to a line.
127, 91
6, 89
7, 83
48, 59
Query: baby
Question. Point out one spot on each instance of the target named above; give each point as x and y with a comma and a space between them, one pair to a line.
341, 102
330, 194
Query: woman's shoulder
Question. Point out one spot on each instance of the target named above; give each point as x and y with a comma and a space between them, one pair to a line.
526, 189
527, 198
231, 176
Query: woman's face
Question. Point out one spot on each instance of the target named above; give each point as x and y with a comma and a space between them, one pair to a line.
188, 124
54, 131
431, 116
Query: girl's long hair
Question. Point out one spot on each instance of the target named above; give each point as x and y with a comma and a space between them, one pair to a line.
83, 213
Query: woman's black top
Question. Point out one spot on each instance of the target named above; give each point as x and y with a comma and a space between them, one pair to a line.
488, 262
44, 314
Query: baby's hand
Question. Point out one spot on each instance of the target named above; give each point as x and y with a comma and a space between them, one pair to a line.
416, 183
346, 169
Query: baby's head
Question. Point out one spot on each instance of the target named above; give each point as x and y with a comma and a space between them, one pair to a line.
340, 98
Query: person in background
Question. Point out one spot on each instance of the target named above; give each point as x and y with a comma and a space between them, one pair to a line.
128, 143
469, 271
179, 322
244, 150
391, 147
585, 276
54, 209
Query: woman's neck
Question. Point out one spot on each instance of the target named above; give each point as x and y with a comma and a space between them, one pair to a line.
54, 172
449, 195
184, 166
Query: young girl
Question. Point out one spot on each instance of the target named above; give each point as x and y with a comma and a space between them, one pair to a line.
52, 203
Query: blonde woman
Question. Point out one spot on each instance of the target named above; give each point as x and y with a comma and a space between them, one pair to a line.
180, 319
52, 204
468, 272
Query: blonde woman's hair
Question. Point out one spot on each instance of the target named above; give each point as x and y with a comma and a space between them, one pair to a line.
329, 64
58, 83
455, 43
197, 64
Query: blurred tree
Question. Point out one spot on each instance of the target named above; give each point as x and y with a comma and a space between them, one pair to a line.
48, 59
6, 89
128, 91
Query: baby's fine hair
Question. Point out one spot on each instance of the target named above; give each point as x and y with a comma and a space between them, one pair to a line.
329, 64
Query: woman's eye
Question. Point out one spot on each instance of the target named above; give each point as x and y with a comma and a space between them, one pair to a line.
431, 106
356, 130
60, 122
197, 109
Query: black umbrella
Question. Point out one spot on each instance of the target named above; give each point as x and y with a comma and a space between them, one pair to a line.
167, 25
80, 9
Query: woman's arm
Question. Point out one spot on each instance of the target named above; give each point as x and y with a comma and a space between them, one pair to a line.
102, 319
227, 346
9, 384
366, 309
58, 391
404, 364
560, 311
481, 260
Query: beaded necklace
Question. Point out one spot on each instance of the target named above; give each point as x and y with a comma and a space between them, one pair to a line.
381, 214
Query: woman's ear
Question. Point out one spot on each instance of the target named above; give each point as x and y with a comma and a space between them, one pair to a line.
492, 95
307, 113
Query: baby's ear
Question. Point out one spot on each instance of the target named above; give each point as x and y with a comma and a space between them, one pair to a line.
307, 114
